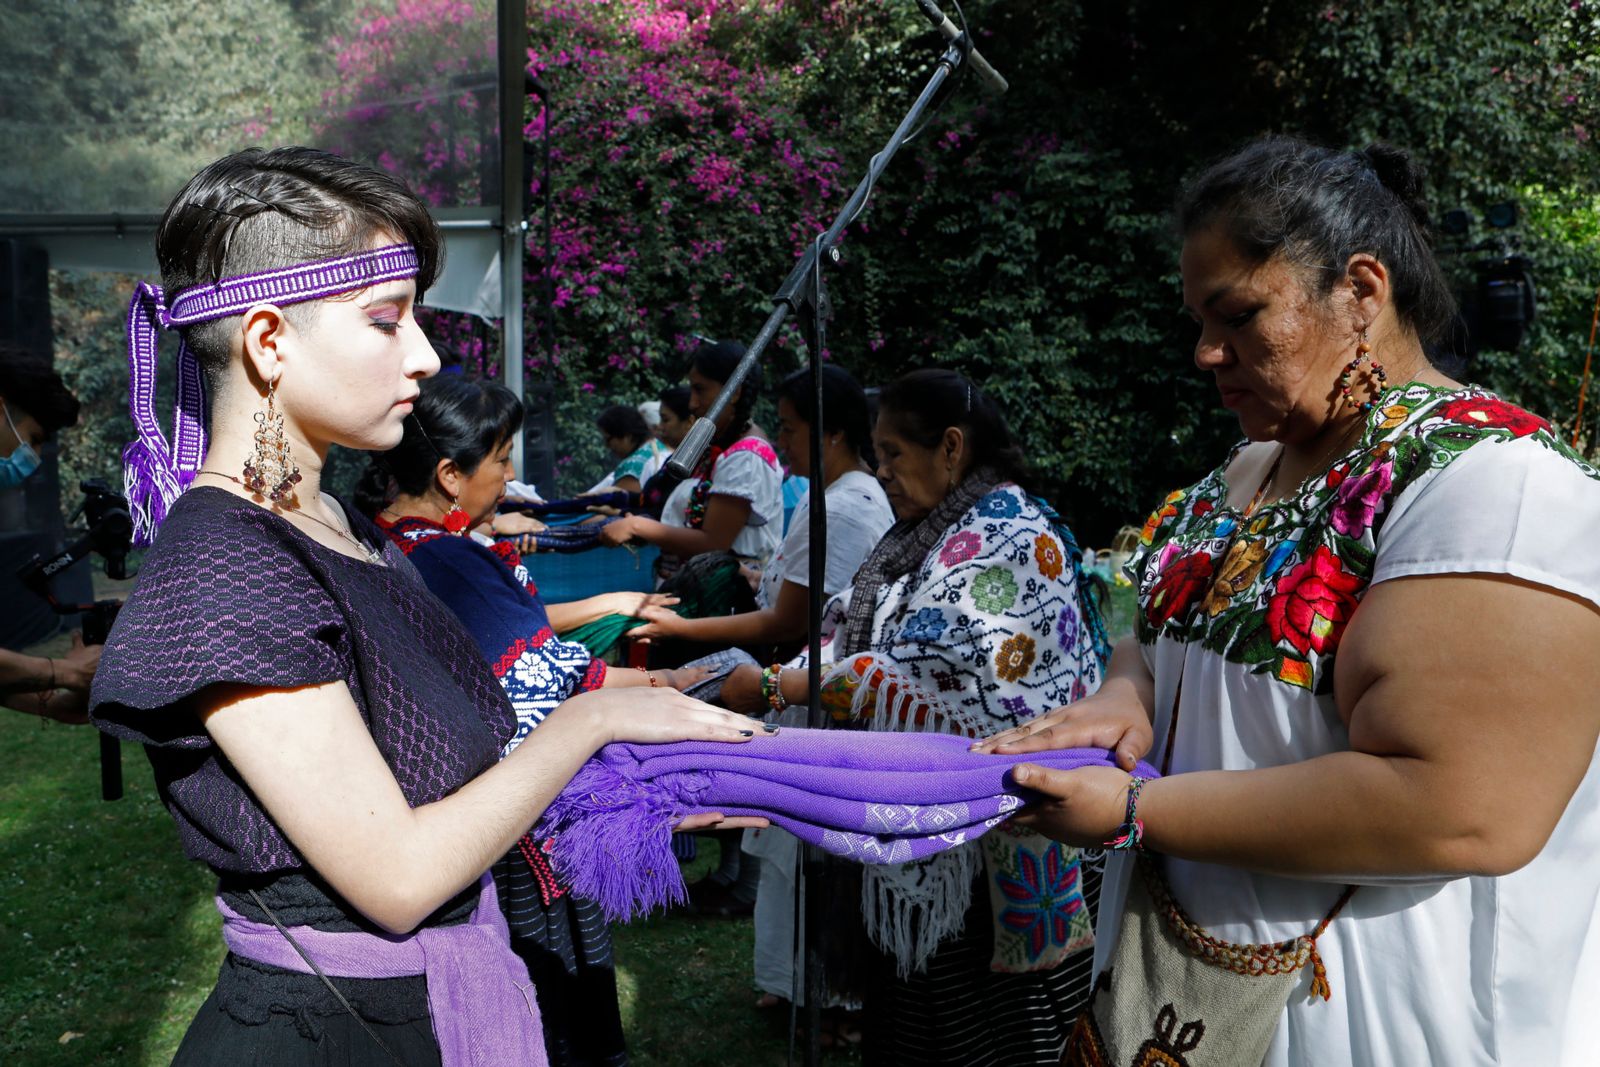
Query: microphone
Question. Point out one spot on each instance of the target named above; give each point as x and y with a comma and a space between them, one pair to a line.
991, 79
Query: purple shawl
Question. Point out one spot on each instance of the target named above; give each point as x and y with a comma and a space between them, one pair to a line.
868, 797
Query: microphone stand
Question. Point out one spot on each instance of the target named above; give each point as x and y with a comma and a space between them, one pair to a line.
805, 291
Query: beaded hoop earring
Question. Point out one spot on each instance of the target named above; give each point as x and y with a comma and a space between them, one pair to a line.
1375, 370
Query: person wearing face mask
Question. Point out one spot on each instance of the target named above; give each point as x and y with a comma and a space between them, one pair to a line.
34, 405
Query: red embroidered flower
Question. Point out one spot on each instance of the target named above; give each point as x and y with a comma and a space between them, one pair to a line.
1047, 553
1487, 411
1179, 584
1202, 507
1313, 603
960, 548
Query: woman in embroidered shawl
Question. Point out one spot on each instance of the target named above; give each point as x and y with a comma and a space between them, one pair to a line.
455, 453
326, 736
1367, 652
965, 619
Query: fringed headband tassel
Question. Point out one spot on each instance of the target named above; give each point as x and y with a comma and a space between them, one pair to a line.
156, 472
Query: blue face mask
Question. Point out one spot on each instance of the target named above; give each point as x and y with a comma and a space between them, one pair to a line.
23, 461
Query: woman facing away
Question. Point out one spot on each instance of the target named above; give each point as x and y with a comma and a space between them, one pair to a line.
1366, 652
325, 734
966, 617
455, 457
734, 502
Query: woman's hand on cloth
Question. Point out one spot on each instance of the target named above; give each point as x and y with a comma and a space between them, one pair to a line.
1113, 719
661, 715
681, 678
660, 622
1085, 807
618, 532
516, 522
636, 605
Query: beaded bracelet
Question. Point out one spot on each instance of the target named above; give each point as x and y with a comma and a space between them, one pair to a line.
771, 686
1130, 835
654, 682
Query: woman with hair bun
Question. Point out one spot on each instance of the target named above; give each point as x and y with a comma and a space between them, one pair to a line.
1365, 662
628, 438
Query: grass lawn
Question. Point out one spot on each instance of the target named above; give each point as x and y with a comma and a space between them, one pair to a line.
109, 940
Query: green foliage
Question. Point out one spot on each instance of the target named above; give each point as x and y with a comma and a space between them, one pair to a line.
697, 145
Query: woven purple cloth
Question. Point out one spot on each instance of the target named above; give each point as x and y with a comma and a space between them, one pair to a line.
868, 797
154, 472
480, 997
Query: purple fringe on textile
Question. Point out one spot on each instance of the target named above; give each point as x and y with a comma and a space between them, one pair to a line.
149, 483
622, 861
883, 799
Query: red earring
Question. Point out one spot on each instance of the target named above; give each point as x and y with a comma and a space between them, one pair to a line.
456, 520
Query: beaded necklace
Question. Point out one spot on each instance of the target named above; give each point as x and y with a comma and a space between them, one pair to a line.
700, 494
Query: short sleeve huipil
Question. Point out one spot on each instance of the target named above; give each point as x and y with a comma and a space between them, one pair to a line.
1248, 612
747, 470
231, 593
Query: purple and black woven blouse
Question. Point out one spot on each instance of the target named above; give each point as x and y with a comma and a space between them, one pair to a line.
231, 593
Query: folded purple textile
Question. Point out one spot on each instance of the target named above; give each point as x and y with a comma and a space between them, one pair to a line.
869, 797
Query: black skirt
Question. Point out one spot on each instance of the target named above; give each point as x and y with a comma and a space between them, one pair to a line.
267, 1016
962, 1014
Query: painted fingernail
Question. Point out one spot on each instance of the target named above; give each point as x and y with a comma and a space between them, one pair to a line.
747, 733
770, 727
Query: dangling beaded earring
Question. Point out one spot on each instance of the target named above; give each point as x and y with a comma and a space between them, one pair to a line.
456, 519
1374, 371
271, 471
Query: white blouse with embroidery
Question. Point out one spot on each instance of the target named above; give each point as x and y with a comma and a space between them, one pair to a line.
1462, 971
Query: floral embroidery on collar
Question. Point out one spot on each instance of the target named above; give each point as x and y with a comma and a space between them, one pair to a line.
1277, 593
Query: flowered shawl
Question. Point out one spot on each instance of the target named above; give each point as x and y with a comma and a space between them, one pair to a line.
984, 633
490, 591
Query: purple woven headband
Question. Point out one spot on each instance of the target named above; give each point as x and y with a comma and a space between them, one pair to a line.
154, 473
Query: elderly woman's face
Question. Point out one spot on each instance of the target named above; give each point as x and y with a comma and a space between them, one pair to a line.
1274, 348
480, 492
914, 478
